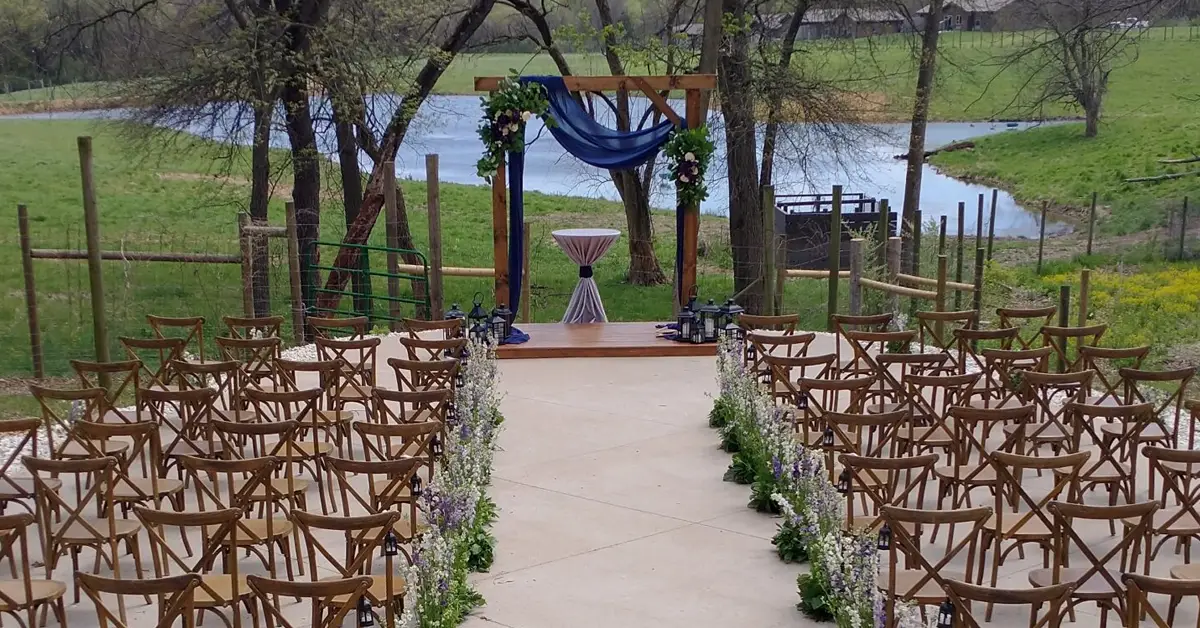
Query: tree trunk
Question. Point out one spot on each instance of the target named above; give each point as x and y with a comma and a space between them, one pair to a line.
644, 269
352, 193
916, 137
745, 202
260, 199
306, 185
775, 97
1092, 119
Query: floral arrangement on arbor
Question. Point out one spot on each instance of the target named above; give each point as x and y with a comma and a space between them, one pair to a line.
456, 504
689, 152
505, 114
791, 479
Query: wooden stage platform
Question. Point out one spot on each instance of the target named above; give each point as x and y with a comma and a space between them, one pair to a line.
599, 340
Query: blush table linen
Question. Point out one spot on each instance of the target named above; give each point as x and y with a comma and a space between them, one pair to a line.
585, 247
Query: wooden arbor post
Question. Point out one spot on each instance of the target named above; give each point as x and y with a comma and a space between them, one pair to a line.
655, 88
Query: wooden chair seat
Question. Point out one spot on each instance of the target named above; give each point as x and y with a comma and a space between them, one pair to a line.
306, 450
1100, 400
1052, 433
996, 404
929, 593
74, 450
349, 392
133, 489
1186, 525
1096, 587
334, 417
222, 585
198, 449
1032, 529
1186, 572
402, 528
1180, 468
1105, 472
24, 487
254, 531
1151, 433
377, 591
237, 416
278, 486
842, 442
951, 473
886, 407
935, 436
41, 590
860, 521
76, 533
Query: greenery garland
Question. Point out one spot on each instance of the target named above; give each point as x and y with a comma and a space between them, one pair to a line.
689, 152
506, 111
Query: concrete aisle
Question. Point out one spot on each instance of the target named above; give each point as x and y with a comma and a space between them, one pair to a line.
612, 508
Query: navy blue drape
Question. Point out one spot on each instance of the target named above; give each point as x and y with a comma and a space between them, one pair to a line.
516, 238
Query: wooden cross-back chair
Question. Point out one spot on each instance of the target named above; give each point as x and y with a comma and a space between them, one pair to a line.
1174, 383
349, 328
218, 590
846, 433
1107, 362
357, 360
1021, 519
1178, 516
175, 594
282, 490
61, 408
971, 455
784, 325
929, 399
775, 344
296, 375
1050, 393
893, 370
225, 378
929, 324
1003, 373
390, 485
326, 615
434, 349
785, 371
304, 447
970, 343
420, 375
186, 417
364, 536
1141, 611
145, 446
393, 406
1026, 320
125, 378
188, 328
24, 593
221, 485
1094, 580
962, 595
155, 356
256, 361
1115, 465
449, 328
387, 441
1062, 339
23, 436
918, 580
882, 482
865, 346
74, 530
253, 327
820, 396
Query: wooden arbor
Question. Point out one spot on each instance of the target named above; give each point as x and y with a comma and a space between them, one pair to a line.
654, 88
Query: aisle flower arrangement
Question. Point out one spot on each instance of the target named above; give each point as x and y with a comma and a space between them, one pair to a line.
841, 583
456, 504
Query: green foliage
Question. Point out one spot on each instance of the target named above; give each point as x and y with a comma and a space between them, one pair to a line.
813, 598
688, 152
481, 544
505, 113
730, 438
789, 543
741, 470
760, 494
721, 413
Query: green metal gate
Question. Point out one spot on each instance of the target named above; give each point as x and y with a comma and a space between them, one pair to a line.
364, 271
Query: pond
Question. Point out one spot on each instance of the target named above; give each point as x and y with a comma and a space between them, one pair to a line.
447, 125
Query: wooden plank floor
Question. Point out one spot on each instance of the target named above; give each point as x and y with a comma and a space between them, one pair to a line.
598, 340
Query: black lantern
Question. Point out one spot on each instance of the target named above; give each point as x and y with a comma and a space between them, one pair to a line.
885, 537
435, 445
366, 616
729, 327
684, 324
479, 333
501, 323
710, 316
946, 615
843, 483
415, 484
802, 399
455, 314
827, 437
478, 315
697, 332
391, 544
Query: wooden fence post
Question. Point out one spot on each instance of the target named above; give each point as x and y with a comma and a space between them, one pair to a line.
1042, 239
883, 232
856, 270
91, 222
31, 312
992, 223
526, 285
979, 224
392, 223
247, 265
893, 272
942, 236
835, 253
977, 296
293, 247
940, 304
1091, 223
433, 204
958, 258
1064, 319
916, 243
768, 226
